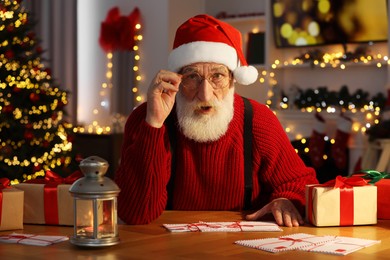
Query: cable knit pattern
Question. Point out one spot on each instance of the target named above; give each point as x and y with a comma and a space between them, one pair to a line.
209, 176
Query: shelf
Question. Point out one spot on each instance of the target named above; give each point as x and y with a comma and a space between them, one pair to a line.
329, 66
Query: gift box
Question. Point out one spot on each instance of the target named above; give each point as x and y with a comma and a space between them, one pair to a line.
383, 198
48, 201
11, 206
341, 202
382, 181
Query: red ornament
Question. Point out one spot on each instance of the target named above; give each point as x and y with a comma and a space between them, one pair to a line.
17, 89
34, 97
31, 35
45, 144
9, 54
60, 104
28, 135
39, 50
7, 109
10, 28
70, 138
62, 160
37, 168
54, 116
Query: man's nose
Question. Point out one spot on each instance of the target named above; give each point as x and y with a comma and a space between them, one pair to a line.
205, 91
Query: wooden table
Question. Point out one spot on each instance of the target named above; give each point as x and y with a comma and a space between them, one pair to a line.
154, 242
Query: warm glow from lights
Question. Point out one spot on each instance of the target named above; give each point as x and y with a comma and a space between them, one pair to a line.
96, 126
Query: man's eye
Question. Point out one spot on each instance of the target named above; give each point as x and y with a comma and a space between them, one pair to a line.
194, 76
217, 76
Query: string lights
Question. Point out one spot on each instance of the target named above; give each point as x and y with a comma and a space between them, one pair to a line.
110, 44
137, 75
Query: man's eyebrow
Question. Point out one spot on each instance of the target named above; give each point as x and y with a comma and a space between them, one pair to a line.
189, 69
220, 68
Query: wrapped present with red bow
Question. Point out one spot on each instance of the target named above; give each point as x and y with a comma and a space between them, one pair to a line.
11, 206
48, 201
344, 201
382, 181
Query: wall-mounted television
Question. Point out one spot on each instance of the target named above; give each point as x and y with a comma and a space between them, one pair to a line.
298, 23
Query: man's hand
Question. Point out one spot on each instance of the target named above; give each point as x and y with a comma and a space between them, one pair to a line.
284, 211
161, 97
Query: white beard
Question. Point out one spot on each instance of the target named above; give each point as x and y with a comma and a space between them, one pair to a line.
205, 128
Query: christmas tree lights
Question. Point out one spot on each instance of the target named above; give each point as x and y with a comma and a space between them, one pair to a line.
34, 137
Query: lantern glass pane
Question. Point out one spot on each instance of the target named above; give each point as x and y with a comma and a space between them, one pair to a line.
85, 216
107, 228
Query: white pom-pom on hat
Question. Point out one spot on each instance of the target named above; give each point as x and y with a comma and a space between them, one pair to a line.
206, 39
245, 75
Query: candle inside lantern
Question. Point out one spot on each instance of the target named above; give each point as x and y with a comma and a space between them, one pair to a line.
89, 230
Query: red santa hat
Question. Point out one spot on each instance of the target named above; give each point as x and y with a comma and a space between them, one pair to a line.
206, 39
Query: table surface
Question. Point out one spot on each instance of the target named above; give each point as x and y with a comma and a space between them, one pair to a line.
154, 242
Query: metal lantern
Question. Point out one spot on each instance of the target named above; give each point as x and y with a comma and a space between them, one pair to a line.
95, 205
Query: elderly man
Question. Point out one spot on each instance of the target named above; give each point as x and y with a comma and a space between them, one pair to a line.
185, 147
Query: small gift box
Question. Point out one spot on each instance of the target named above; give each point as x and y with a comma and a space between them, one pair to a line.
11, 206
341, 202
48, 201
382, 181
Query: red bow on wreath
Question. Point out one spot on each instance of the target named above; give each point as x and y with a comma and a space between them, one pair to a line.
117, 32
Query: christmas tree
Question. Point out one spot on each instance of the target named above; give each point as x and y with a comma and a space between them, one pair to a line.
34, 136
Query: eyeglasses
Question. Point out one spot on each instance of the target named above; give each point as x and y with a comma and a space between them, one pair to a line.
192, 80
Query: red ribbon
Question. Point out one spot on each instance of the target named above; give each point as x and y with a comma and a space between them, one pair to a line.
288, 239
345, 184
4, 184
51, 181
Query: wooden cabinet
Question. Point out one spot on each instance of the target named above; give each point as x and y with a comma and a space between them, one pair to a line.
106, 146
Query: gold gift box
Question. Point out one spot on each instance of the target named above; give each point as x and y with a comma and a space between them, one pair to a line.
324, 205
12, 209
34, 206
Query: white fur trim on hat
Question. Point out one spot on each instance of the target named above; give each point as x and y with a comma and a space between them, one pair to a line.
203, 51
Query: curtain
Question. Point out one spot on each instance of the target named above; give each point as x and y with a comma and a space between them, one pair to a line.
56, 27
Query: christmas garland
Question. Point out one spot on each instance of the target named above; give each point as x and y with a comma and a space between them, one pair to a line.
323, 98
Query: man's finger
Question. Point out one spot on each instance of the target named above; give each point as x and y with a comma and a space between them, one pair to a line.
256, 215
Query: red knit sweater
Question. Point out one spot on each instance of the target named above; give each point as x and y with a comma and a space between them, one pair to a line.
209, 176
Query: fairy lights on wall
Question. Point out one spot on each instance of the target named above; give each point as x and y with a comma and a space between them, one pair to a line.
365, 116
110, 42
137, 75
